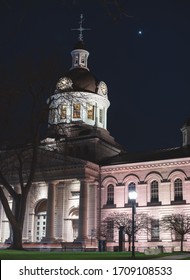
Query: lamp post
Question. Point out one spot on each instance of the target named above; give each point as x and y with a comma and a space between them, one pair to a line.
132, 198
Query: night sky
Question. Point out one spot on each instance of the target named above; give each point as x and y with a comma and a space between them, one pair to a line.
144, 58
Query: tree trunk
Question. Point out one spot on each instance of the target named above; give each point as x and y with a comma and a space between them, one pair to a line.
181, 245
17, 239
17, 226
129, 241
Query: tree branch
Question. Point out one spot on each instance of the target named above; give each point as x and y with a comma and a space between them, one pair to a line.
7, 186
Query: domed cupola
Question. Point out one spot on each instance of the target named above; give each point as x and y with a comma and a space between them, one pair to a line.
79, 56
79, 97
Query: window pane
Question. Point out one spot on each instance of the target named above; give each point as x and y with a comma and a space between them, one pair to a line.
76, 111
131, 187
101, 116
90, 112
154, 191
178, 192
110, 194
155, 232
63, 112
110, 230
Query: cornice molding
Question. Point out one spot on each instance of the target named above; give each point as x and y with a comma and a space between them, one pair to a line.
150, 165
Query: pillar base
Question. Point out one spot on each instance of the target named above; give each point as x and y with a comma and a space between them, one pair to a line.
48, 240
87, 241
81, 239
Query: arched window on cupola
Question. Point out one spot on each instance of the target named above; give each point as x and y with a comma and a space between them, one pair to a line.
82, 60
76, 60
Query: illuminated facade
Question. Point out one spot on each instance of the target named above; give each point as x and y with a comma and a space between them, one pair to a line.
85, 175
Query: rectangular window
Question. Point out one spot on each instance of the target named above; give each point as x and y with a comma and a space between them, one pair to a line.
63, 112
110, 230
83, 59
52, 115
76, 61
76, 111
101, 116
90, 112
155, 231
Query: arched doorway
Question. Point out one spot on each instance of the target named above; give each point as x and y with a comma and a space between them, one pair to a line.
74, 215
40, 220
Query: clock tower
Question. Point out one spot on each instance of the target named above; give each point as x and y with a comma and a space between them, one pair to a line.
78, 111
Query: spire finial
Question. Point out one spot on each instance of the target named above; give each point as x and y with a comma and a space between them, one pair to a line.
81, 29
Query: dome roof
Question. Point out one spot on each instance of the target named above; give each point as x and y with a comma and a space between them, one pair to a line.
80, 45
83, 80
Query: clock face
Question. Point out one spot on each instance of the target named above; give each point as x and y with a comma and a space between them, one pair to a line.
64, 83
103, 88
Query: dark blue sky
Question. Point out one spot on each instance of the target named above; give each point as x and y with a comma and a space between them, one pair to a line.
148, 75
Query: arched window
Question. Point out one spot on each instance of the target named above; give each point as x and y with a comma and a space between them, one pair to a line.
131, 187
40, 219
154, 196
178, 190
110, 194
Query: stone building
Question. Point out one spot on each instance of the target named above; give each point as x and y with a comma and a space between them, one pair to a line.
84, 175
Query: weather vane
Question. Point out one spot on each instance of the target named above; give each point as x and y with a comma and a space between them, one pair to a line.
81, 29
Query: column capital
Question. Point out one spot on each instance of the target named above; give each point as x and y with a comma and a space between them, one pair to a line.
54, 183
89, 181
84, 180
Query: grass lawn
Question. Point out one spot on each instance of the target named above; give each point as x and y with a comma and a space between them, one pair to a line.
31, 255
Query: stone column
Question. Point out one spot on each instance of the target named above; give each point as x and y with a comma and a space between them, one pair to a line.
93, 213
83, 211
50, 222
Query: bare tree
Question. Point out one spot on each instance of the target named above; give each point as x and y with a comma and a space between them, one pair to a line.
179, 224
19, 153
19, 158
124, 220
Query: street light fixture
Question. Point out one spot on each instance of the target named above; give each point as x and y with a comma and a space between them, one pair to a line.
132, 198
